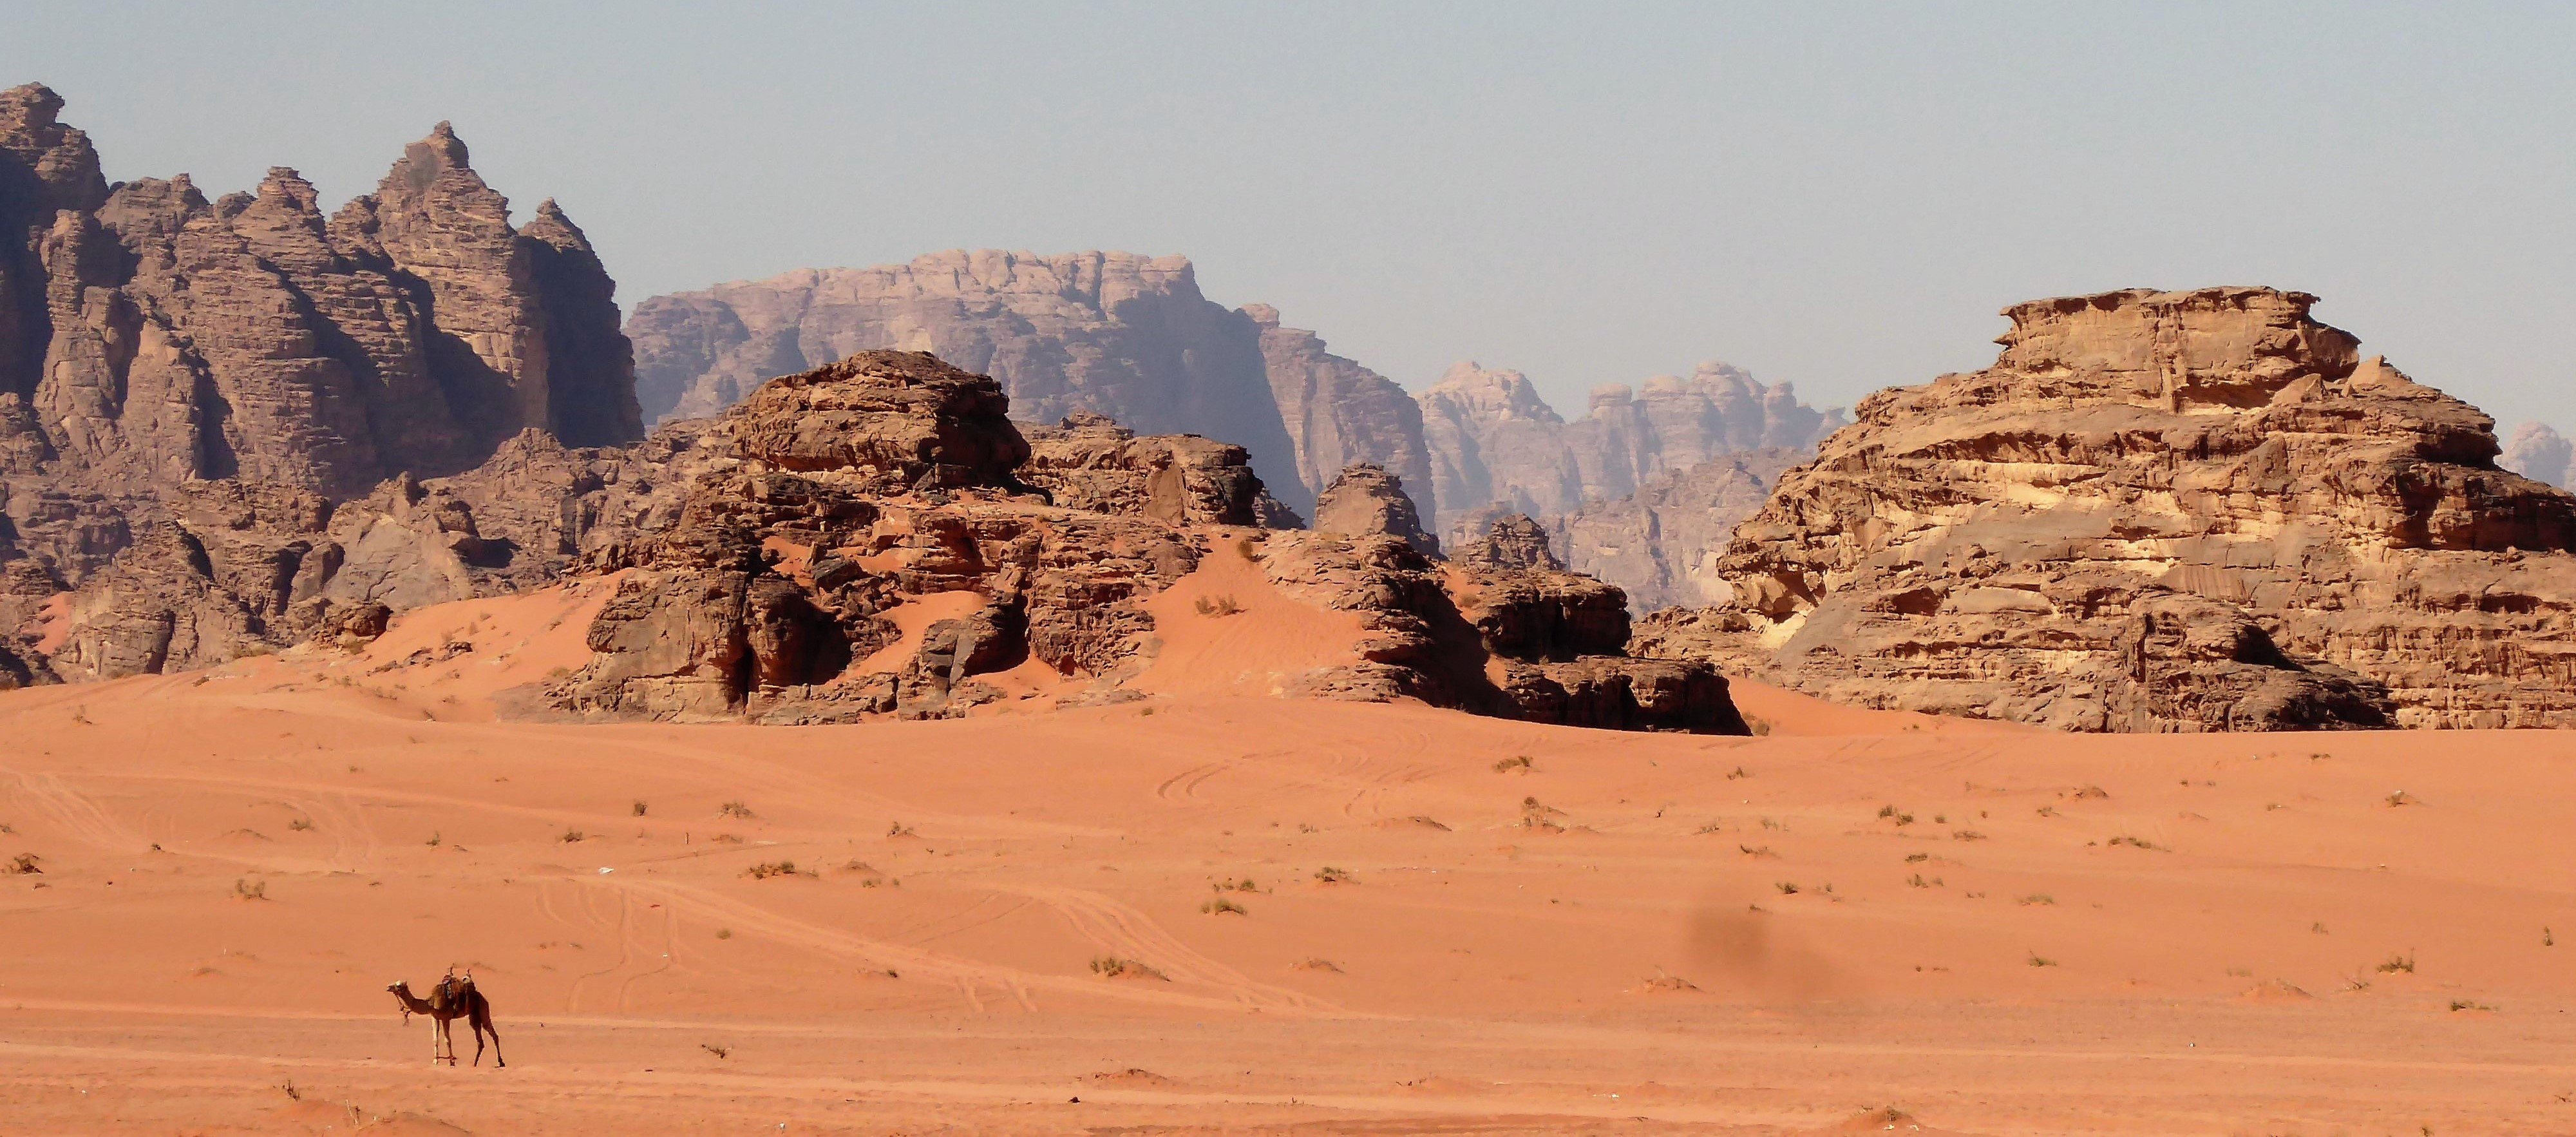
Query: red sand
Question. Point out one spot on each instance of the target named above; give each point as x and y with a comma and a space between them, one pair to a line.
1994, 930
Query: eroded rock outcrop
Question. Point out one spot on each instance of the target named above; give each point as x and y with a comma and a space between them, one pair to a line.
781, 586
1661, 544
2160, 511
1502, 631
884, 479
1367, 501
1496, 445
1116, 334
160, 352
1090, 462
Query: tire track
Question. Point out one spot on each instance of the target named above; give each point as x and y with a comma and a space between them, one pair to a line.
972, 977
1123, 930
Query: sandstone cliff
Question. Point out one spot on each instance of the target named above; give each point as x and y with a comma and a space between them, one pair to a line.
156, 336
2160, 511
185, 384
1495, 444
1116, 334
1661, 544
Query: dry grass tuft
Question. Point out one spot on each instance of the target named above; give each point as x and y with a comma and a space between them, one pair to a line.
1223, 907
1120, 967
1218, 606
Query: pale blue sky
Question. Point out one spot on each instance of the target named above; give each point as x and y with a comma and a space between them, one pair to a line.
1840, 195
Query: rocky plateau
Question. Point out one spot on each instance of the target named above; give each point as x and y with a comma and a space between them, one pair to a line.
2159, 511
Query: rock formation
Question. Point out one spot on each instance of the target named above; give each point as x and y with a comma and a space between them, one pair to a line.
1116, 334
1494, 443
2160, 511
1338, 413
1089, 462
1661, 544
2538, 453
772, 589
183, 381
1502, 631
1366, 501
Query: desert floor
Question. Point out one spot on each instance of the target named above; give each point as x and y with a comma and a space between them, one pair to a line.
1321, 918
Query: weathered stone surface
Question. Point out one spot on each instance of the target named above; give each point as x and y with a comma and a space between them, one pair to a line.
892, 419
2539, 453
1661, 544
1498, 636
172, 367
1494, 443
2160, 511
1511, 542
1367, 501
1112, 333
1339, 413
1089, 462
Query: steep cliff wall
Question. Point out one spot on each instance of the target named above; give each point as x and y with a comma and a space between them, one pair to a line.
1111, 333
1494, 442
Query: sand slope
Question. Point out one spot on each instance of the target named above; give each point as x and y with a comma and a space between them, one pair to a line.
1994, 930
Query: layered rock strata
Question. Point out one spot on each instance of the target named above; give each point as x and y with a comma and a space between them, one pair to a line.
2160, 511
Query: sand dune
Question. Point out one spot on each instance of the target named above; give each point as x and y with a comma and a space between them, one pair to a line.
1989, 929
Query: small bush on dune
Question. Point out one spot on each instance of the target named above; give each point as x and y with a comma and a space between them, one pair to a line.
1119, 967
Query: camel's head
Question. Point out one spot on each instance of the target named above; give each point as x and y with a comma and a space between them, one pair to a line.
399, 986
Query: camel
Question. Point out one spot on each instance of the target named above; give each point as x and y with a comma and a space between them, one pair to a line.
454, 997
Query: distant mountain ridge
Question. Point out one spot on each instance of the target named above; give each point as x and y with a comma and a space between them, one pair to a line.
1132, 337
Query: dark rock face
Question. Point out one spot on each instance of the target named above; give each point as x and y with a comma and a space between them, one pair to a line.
2160, 511
876, 482
161, 354
1367, 501
1443, 633
159, 336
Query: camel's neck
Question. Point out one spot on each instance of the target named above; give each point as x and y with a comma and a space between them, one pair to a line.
413, 1003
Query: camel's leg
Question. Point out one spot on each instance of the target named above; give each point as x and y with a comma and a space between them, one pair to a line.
481, 1024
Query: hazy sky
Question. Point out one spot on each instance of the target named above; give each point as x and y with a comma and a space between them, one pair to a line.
1840, 195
